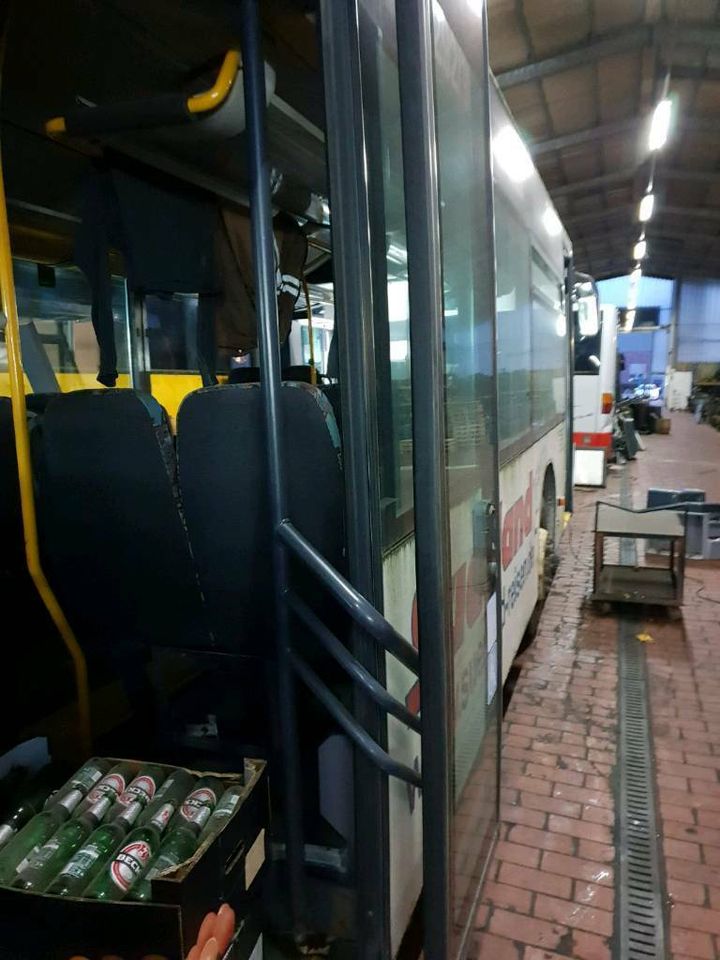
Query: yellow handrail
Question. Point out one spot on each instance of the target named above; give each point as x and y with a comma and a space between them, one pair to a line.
198, 103
209, 99
27, 498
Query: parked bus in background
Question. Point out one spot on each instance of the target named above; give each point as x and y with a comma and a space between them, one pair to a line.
595, 373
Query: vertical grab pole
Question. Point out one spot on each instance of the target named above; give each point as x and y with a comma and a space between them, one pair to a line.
422, 215
267, 319
570, 417
348, 168
25, 479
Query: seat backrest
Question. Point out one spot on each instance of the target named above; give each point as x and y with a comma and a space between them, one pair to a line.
112, 534
223, 482
244, 375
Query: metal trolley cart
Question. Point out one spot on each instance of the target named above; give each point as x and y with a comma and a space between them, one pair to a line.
632, 583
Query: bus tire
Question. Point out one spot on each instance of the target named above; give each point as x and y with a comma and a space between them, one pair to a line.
548, 522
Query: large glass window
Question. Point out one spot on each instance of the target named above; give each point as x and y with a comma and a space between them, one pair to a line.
391, 327
55, 302
469, 296
171, 331
388, 250
512, 253
549, 346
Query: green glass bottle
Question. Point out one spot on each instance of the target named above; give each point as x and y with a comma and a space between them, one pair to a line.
83, 779
34, 834
174, 790
132, 858
17, 820
42, 865
28, 799
223, 811
204, 794
179, 845
113, 784
84, 865
143, 788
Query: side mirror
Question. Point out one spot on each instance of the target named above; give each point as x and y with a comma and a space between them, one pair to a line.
588, 316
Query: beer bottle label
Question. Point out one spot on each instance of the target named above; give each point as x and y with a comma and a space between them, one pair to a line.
27, 858
41, 855
129, 864
6, 832
100, 807
113, 784
131, 812
162, 817
142, 788
201, 799
83, 860
86, 778
71, 800
228, 805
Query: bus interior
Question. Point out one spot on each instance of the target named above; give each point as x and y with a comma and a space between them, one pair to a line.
189, 334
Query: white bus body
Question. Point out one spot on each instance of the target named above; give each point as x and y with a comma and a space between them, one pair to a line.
532, 478
594, 382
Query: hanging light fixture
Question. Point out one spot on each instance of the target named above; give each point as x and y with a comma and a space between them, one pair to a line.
640, 249
660, 125
647, 205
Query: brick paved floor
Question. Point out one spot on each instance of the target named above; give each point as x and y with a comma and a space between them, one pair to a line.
550, 889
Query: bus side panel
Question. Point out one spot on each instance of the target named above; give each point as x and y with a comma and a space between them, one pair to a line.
521, 487
405, 803
471, 694
608, 361
586, 403
592, 427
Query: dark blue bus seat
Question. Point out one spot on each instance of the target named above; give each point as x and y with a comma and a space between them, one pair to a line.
112, 533
222, 476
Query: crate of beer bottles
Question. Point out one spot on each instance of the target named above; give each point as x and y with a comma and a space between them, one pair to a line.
131, 859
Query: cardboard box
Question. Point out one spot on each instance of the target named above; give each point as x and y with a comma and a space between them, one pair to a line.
42, 927
662, 425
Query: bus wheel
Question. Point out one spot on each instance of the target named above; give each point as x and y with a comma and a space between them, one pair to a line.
548, 522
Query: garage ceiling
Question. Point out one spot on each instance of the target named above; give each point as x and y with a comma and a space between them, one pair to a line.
581, 78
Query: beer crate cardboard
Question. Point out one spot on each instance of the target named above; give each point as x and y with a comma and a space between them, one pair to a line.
41, 927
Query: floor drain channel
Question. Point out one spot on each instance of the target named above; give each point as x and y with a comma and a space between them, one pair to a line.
641, 893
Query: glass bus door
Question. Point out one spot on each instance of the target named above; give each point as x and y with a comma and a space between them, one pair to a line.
424, 295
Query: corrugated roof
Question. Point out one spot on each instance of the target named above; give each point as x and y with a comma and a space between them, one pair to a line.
582, 79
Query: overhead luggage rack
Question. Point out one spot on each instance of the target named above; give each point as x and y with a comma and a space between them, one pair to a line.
624, 583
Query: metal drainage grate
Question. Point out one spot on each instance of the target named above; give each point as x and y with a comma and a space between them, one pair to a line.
641, 895
641, 890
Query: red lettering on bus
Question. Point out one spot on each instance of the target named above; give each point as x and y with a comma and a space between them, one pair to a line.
517, 525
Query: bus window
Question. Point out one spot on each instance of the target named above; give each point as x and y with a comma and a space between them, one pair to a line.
387, 222
57, 301
587, 353
467, 268
549, 346
512, 252
171, 331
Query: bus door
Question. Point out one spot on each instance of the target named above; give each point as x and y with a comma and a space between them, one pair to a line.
417, 274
